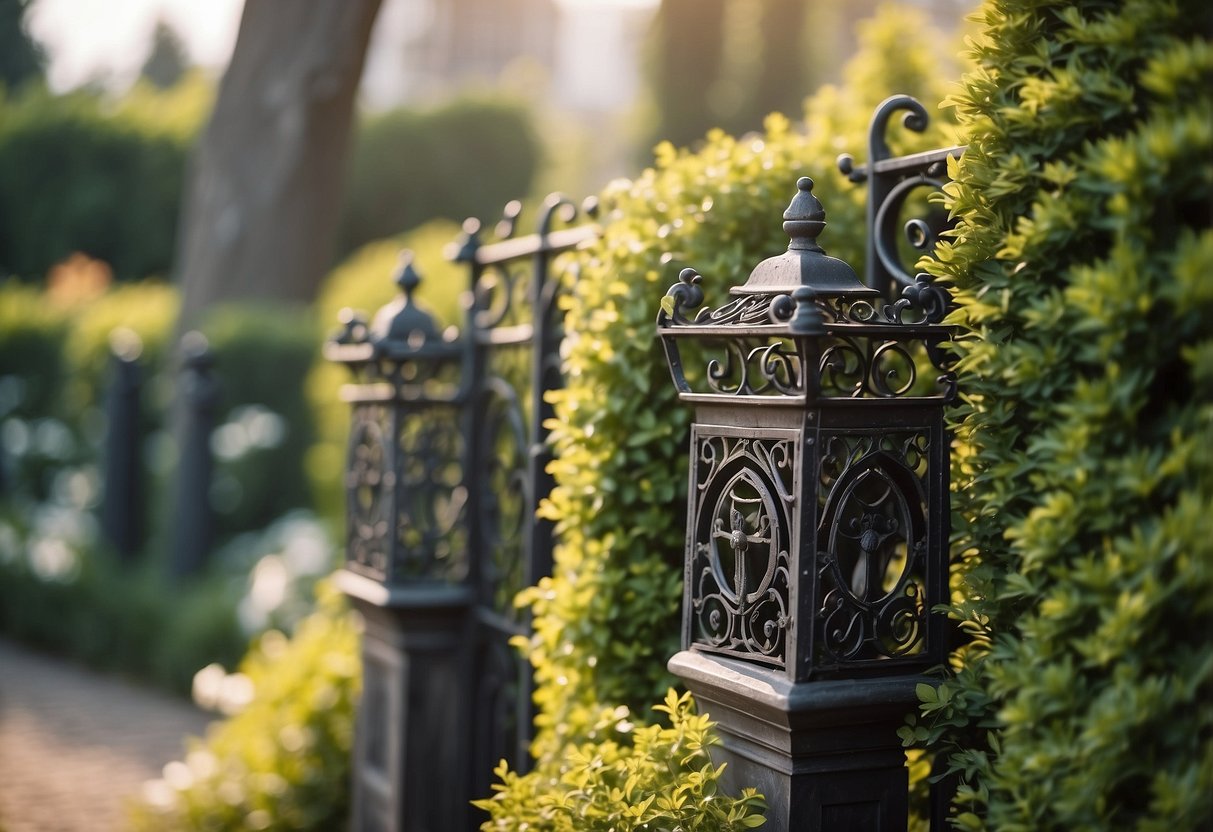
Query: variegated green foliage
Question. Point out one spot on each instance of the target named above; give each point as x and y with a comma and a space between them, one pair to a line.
1083, 270
626, 777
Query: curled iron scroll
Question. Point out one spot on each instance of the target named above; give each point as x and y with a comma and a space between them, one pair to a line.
918, 232
915, 119
890, 186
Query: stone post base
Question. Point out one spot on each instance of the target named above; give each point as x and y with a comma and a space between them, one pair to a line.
411, 749
825, 754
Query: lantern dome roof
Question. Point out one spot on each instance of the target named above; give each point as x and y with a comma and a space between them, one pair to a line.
805, 263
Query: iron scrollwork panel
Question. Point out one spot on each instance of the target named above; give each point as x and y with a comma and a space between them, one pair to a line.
739, 581
506, 499
755, 367
370, 486
513, 325
872, 546
894, 184
430, 497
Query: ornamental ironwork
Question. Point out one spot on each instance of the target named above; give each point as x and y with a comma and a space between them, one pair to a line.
817, 517
893, 182
405, 491
445, 470
872, 545
743, 495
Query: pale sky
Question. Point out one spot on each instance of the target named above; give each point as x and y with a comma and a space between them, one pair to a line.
111, 38
87, 39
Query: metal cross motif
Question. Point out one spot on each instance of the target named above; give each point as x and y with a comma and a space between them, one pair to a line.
874, 529
739, 539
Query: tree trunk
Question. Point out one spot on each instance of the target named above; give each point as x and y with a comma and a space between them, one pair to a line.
261, 205
685, 60
781, 82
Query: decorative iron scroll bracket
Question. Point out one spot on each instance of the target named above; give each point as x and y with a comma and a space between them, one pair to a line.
890, 181
866, 347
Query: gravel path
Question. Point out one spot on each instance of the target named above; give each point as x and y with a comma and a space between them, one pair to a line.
76, 746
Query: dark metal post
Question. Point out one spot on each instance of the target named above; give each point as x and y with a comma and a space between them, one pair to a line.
194, 529
890, 182
513, 335
122, 500
407, 566
817, 525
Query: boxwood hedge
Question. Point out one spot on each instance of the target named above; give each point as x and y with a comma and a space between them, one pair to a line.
1081, 264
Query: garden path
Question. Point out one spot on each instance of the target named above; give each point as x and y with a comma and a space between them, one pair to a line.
76, 746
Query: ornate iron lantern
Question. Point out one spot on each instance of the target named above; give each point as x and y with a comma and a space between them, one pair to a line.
407, 566
817, 523
404, 484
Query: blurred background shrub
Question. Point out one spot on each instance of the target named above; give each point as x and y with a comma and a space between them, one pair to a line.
465, 158
263, 426
282, 761
74, 177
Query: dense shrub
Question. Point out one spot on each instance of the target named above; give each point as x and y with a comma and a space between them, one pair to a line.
76, 178
463, 159
1082, 265
62, 591
606, 621
282, 762
264, 425
630, 778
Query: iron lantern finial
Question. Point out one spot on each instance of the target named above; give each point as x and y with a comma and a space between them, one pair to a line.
805, 262
402, 323
805, 218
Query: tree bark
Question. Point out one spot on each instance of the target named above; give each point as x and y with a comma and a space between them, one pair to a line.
686, 58
261, 205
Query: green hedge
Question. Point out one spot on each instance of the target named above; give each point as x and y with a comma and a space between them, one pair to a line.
265, 426
462, 159
1084, 476
63, 591
73, 177
283, 761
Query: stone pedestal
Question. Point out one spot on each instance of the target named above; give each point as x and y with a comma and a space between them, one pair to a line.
413, 726
825, 754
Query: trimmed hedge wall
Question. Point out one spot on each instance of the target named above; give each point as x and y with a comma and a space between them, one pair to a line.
75, 178
1083, 269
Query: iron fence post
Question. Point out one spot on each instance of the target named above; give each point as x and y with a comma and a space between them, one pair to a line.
817, 524
408, 564
194, 524
122, 497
